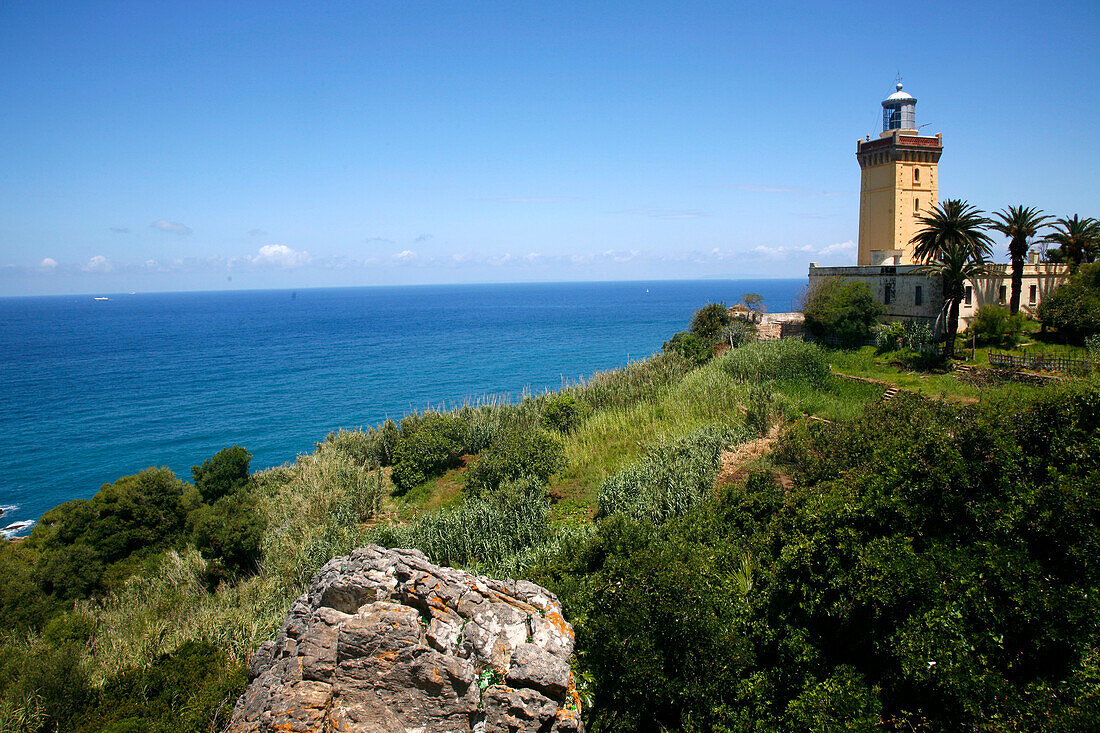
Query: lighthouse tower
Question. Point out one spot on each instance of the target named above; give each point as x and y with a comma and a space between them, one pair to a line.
898, 183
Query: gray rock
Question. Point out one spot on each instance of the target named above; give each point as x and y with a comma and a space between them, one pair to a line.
534, 667
386, 642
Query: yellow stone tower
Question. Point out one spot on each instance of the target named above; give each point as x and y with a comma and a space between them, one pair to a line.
898, 183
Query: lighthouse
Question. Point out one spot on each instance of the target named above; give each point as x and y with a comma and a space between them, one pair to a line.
898, 183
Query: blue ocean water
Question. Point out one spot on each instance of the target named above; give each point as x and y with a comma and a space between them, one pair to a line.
91, 390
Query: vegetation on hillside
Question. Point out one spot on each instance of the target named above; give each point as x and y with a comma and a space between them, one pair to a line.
911, 565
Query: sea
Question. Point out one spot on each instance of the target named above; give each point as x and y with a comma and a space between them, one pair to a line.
95, 388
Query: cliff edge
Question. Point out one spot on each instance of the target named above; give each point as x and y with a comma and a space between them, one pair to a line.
386, 642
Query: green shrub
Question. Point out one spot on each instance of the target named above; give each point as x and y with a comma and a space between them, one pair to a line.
1073, 308
562, 412
224, 473
228, 533
889, 336
670, 478
43, 685
993, 325
785, 360
694, 349
532, 454
428, 446
708, 321
79, 540
841, 309
663, 633
191, 690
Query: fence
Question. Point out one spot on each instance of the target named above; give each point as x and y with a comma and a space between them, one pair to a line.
1041, 362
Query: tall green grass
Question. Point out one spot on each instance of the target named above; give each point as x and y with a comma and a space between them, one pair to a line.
672, 477
784, 360
616, 436
152, 615
483, 531
639, 381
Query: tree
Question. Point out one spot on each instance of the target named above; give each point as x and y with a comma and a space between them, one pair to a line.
842, 309
1073, 309
708, 321
1019, 224
754, 302
1078, 240
224, 473
953, 246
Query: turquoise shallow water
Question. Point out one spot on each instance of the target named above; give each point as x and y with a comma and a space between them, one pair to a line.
91, 390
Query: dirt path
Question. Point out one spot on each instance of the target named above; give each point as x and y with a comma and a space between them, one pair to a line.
734, 464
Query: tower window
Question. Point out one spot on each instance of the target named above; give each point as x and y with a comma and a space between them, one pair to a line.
1032, 293
918, 296
968, 295
916, 175
916, 206
888, 293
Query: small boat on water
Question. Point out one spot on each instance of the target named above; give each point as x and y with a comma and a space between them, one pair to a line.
101, 297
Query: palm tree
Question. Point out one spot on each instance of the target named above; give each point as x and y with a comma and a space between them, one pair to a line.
1019, 224
953, 245
1078, 238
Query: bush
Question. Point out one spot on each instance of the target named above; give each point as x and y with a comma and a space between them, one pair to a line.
533, 454
708, 321
224, 473
229, 533
694, 349
995, 326
841, 309
79, 540
889, 336
785, 360
562, 412
428, 446
1073, 309
191, 690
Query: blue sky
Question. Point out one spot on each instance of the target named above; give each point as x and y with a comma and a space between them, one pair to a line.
193, 145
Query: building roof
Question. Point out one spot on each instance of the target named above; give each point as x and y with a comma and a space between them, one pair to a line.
898, 98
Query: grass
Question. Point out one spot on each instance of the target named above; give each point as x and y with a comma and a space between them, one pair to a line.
952, 386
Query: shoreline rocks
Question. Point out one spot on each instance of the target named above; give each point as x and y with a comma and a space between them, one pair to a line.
386, 642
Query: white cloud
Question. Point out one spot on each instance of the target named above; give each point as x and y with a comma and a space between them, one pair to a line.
48, 263
99, 263
173, 227
840, 248
406, 255
279, 255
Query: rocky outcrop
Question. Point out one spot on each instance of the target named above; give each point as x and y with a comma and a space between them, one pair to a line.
386, 642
